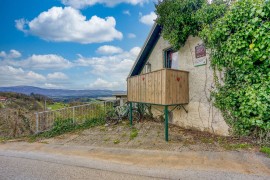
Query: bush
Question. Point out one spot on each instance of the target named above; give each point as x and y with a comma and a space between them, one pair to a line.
240, 45
239, 40
64, 126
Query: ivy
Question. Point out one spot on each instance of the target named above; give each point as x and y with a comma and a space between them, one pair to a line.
238, 36
181, 18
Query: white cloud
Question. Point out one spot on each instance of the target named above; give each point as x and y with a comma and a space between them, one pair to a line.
69, 25
48, 61
12, 54
112, 68
50, 85
35, 76
10, 76
103, 84
109, 50
148, 19
127, 12
79, 4
42, 62
57, 75
131, 35
135, 51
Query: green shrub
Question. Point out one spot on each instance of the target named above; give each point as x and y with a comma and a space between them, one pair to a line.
239, 42
133, 133
64, 126
266, 150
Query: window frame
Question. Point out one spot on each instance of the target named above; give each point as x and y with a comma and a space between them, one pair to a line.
165, 56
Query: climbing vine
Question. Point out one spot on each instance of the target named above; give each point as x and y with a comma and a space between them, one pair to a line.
238, 35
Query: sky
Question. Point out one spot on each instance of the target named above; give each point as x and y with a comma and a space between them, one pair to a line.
72, 44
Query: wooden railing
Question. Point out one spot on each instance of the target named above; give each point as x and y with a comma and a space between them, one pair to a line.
165, 87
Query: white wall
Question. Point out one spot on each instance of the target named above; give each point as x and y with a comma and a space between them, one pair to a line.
202, 115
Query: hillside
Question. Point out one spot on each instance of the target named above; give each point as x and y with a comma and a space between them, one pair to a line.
33, 102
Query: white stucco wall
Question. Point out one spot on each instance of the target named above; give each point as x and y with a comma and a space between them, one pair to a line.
202, 115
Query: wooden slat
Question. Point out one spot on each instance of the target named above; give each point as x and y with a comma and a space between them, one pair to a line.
164, 87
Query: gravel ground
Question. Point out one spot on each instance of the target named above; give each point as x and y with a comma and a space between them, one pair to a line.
150, 135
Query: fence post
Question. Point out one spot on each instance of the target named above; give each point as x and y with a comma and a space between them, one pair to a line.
73, 115
37, 123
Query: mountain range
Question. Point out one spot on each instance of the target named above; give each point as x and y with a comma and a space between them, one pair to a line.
56, 93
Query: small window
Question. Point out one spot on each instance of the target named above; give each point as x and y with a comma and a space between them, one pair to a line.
171, 59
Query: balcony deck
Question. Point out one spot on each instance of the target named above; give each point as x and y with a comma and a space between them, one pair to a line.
162, 87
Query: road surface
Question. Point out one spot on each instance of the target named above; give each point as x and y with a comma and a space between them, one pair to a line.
55, 162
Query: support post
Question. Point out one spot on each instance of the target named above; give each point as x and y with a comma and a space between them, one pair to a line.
130, 113
73, 115
37, 124
166, 112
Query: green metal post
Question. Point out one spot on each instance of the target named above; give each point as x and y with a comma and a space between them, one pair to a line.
130, 113
166, 112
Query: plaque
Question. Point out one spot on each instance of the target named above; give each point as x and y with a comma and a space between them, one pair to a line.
200, 54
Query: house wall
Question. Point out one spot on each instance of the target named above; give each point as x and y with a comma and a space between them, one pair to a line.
202, 115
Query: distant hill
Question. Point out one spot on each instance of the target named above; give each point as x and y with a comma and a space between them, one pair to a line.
59, 93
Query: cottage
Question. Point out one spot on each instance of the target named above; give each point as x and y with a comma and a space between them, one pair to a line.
166, 79
3, 99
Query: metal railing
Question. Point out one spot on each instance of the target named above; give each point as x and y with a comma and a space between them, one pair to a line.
78, 114
20, 122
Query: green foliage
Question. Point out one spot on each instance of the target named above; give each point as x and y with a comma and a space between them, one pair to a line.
117, 141
1, 105
265, 150
57, 105
239, 38
133, 133
17, 100
236, 146
240, 45
181, 18
64, 126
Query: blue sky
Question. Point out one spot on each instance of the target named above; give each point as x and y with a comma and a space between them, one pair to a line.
72, 44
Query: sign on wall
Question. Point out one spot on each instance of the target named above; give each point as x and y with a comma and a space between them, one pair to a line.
200, 54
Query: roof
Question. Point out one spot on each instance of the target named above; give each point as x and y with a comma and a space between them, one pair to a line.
3, 98
124, 95
146, 50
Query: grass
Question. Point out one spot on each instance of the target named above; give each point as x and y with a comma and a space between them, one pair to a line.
124, 135
107, 139
237, 146
3, 139
57, 105
102, 128
207, 140
117, 141
265, 150
64, 126
133, 133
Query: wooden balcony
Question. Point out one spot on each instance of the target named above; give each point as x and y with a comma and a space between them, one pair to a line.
164, 87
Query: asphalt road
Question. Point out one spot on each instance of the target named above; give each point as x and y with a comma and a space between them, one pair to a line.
40, 164
29, 169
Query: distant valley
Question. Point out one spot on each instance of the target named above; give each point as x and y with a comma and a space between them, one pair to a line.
60, 94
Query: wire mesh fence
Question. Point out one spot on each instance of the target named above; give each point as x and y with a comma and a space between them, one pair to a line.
78, 114
19, 122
